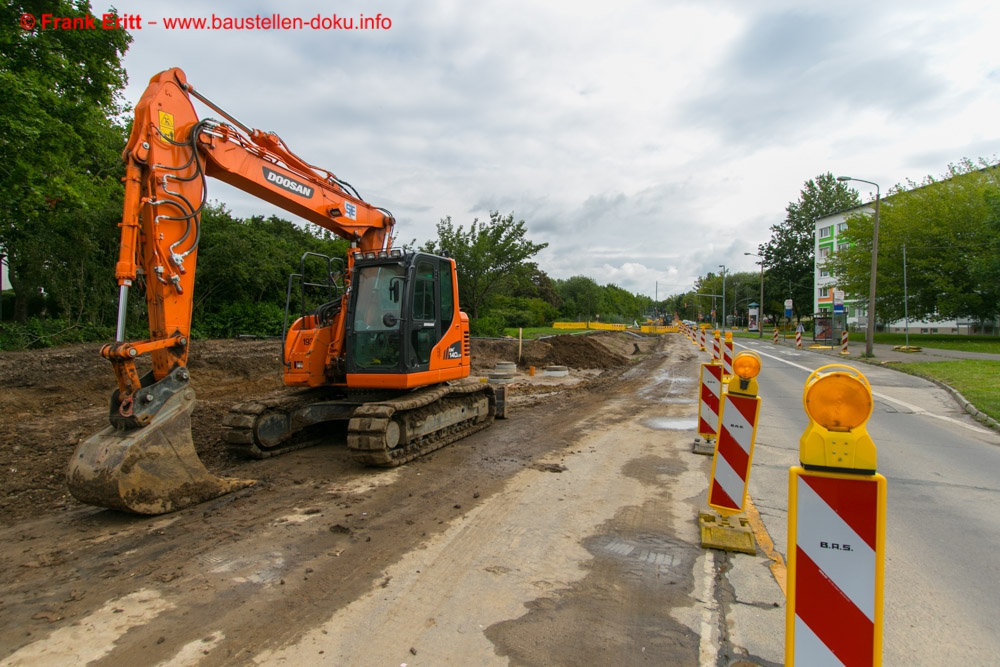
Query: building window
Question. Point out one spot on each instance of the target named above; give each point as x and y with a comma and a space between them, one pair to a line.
841, 247
823, 273
826, 232
821, 292
824, 253
842, 227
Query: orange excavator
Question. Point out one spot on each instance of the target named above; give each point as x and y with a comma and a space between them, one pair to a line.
388, 351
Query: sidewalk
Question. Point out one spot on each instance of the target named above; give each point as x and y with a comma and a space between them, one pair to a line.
886, 353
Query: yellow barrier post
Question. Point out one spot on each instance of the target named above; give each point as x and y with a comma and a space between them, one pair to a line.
727, 356
708, 408
729, 529
836, 528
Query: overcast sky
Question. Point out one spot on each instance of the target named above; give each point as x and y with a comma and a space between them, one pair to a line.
647, 142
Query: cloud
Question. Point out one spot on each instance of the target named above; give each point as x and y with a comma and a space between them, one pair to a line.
791, 72
646, 142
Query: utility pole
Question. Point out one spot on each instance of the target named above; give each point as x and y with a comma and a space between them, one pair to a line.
723, 267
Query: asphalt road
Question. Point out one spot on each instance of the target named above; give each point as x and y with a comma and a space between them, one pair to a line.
942, 582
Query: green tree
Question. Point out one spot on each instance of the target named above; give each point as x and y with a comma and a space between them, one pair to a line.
789, 254
243, 270
60, 139
951, 231
581, 298
621, 305
486, 255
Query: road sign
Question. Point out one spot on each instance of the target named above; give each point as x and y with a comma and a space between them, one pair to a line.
788, 307
838, 301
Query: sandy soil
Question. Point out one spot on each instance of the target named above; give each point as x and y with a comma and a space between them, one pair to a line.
231, 580
51, 399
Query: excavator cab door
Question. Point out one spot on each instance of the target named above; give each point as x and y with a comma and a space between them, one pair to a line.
375, 321
399, 312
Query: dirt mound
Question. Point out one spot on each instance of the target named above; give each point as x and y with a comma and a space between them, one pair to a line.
594, 351
52, 399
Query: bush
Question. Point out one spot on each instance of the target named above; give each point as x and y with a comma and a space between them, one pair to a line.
242, 317
489, 325
38, 333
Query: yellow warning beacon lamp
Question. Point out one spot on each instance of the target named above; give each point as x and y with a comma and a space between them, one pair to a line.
746, 368
838, 401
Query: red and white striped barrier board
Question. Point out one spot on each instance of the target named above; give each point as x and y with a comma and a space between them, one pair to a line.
716, 348
701, 343
843, 343
798, 340
727, 491
708, 406
836, 556
727, 358
775, 336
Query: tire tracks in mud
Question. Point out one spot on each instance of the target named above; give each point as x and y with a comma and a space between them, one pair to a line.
256, 571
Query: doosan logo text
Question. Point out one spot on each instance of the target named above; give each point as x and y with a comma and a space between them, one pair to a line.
286, 183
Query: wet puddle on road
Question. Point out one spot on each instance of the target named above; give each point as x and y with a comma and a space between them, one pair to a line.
667, 385
672, 423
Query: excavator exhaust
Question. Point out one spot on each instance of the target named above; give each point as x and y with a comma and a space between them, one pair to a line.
149, 469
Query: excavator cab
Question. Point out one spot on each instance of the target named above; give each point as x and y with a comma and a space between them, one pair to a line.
403, 329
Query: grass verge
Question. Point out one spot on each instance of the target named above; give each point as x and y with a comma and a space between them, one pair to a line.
976, 380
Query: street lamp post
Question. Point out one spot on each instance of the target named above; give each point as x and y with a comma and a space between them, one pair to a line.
870, 332
723, 267
760, 308
906, 302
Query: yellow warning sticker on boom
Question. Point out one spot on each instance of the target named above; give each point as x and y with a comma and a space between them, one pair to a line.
167, 125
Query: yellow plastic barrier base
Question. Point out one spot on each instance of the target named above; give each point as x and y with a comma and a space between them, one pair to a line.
703, 446
731, 533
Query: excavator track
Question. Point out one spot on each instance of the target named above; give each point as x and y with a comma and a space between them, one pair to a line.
387, 432
390, 433
263, 428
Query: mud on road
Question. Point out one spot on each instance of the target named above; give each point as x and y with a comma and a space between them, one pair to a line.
221, 582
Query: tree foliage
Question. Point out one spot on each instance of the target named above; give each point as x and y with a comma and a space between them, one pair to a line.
243, 270
486, 255
951, 230
60, 140
789, 254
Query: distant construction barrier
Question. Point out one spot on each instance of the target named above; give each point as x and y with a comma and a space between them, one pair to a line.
588, 325
598, 326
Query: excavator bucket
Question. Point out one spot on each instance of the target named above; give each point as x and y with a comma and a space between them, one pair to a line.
153, 469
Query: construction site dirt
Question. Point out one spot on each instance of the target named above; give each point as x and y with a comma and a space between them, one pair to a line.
255, 577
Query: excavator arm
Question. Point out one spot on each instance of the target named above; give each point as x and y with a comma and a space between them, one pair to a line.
170, 153
145, 461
